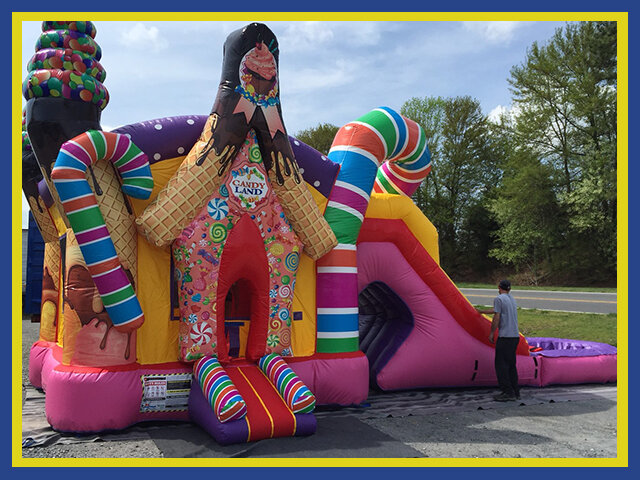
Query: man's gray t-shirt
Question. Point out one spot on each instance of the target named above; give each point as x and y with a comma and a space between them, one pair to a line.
505, 305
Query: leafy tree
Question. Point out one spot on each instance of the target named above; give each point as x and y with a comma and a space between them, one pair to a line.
457, 135
428, 112
319, 137
476, 241
527, 211
565, 94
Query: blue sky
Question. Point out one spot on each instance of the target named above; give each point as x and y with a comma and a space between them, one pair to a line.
330, 72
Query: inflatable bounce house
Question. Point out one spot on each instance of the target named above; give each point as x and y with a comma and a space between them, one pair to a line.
214, 269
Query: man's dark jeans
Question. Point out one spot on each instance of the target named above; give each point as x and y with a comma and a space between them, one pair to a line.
505, 363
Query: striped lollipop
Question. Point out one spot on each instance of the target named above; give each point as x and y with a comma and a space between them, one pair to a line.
87, 222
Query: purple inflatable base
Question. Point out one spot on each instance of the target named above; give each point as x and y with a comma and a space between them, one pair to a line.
235, 431
562, 347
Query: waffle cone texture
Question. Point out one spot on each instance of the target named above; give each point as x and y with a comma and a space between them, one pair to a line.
199, 176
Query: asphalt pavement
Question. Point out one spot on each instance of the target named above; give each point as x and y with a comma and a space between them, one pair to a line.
575, 421
583, 302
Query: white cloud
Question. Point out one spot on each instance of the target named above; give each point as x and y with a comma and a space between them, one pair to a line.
310, 80
308, 36
362, 34
494, 32
496, 113
301, 36
25, 212
500, 110
145, 37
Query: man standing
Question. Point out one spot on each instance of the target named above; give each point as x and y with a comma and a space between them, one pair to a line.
505, 320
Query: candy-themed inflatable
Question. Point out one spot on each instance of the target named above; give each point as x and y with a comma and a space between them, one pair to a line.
214, 269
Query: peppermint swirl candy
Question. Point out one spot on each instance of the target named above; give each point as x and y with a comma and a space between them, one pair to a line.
67, 59
217, 209
291, 261
201, 333
224, 191
69, 39
284, 292
65, 84
218, 232
88, 28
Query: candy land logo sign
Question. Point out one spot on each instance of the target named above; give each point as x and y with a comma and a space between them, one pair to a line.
249, 186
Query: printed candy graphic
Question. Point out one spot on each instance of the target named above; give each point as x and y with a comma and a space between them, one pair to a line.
217, 209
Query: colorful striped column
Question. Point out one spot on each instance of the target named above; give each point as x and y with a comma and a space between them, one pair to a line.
293, 391
381, 147
87, 222
219, 390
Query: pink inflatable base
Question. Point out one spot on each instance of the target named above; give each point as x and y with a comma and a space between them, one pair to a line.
88, 399
84, 400
335, 379
573, 370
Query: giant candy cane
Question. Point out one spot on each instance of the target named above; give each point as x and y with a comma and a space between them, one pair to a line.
382, 147
87, 222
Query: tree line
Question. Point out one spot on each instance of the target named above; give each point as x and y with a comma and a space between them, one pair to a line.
531, 194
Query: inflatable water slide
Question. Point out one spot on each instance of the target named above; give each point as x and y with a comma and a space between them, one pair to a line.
214, 269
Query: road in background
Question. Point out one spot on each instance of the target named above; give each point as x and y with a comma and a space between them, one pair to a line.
584, 302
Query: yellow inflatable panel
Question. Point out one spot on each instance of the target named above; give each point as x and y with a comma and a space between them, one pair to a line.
385, 205
157, 340
303, 331
320, 199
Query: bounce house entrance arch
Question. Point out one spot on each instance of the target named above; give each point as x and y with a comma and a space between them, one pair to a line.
244, 271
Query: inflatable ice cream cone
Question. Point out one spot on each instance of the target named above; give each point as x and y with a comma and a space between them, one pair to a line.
64, 91
248, 98
117, 214
90, 338
65, 97
50, 292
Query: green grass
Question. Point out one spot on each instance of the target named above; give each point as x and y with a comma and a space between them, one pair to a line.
576, 326
530, 287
